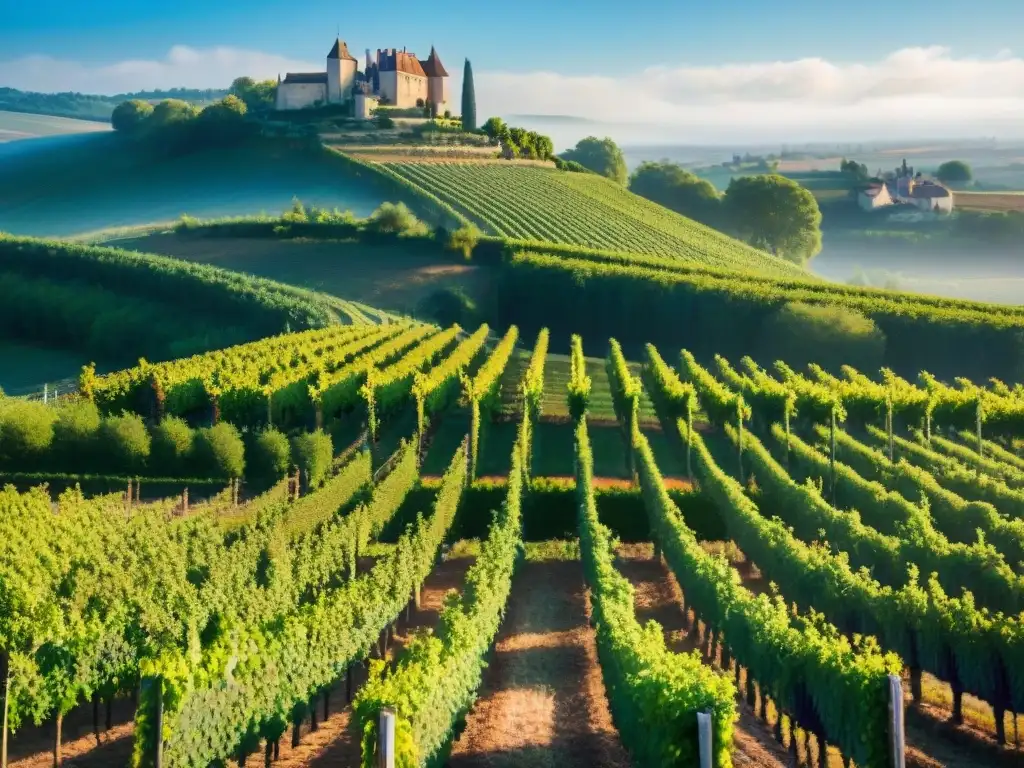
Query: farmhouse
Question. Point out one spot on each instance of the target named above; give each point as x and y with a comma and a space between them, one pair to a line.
395, 78
874, 196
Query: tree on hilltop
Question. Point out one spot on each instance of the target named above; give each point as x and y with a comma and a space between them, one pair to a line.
602, 156
170, 111
468, 99
776, 214
130, 116
678, 189
495, 128
257, 95
954, 172
858, 171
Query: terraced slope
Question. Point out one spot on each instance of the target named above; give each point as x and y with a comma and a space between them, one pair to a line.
541, 204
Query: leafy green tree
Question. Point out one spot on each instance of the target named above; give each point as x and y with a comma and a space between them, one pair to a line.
271, 455
222, 122
313, 453
468, 99
126, 441
172, 446
858, 171
130, 117
448, 306
495, 128
678, 189
171, 111
776, 214
602, 156
259, 96
954, 172
464, 240
218, 451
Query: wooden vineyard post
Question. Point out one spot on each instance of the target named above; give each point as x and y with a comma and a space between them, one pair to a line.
386, 739
704, 738
158, 760
832, 455
899, 758
739, 422
7, 692
889, 426
981, 446
689, 442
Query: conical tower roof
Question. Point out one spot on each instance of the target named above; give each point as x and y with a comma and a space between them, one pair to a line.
433, 66
340, 51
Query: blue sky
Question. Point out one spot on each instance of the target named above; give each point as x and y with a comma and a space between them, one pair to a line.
717, 70
569, 37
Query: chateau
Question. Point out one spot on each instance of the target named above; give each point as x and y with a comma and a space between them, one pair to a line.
395, 78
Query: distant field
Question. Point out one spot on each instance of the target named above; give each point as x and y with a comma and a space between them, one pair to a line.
391, 277
69, 185
578, 209
989, 201
17, 125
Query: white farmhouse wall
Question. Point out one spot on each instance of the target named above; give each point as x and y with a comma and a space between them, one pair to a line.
364, 106
300, 95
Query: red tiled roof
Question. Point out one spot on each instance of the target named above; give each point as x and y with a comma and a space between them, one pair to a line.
401, 61
340, 51
433, 66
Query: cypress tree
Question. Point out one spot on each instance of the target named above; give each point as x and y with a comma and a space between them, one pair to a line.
468, 99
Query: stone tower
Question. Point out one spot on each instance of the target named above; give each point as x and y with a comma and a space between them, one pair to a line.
341, 73
437, 80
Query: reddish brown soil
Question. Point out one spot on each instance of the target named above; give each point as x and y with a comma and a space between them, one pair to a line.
542, 702
658, 597
335, 743
33, 747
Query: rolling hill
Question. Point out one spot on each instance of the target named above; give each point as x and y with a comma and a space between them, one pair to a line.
69, 185
17, 125
532, 203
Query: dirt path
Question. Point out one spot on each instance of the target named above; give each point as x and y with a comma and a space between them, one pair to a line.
542, 702
33, 747
658, 597
335, 744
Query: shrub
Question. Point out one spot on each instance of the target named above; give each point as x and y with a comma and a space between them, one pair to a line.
218, 451
464, 240
271, 455
313, 453
26, 428
125, 442
171, 447
395, 218
830, 336
75, 432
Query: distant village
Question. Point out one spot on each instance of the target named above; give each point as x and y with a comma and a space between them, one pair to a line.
904, 187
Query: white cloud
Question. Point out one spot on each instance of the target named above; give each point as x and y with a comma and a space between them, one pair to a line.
913, 92
182, 67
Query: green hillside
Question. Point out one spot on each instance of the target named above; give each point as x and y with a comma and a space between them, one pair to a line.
16, 125
533, 203
105, 182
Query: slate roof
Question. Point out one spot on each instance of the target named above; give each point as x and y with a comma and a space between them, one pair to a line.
340, 51
927, 190
305, 77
